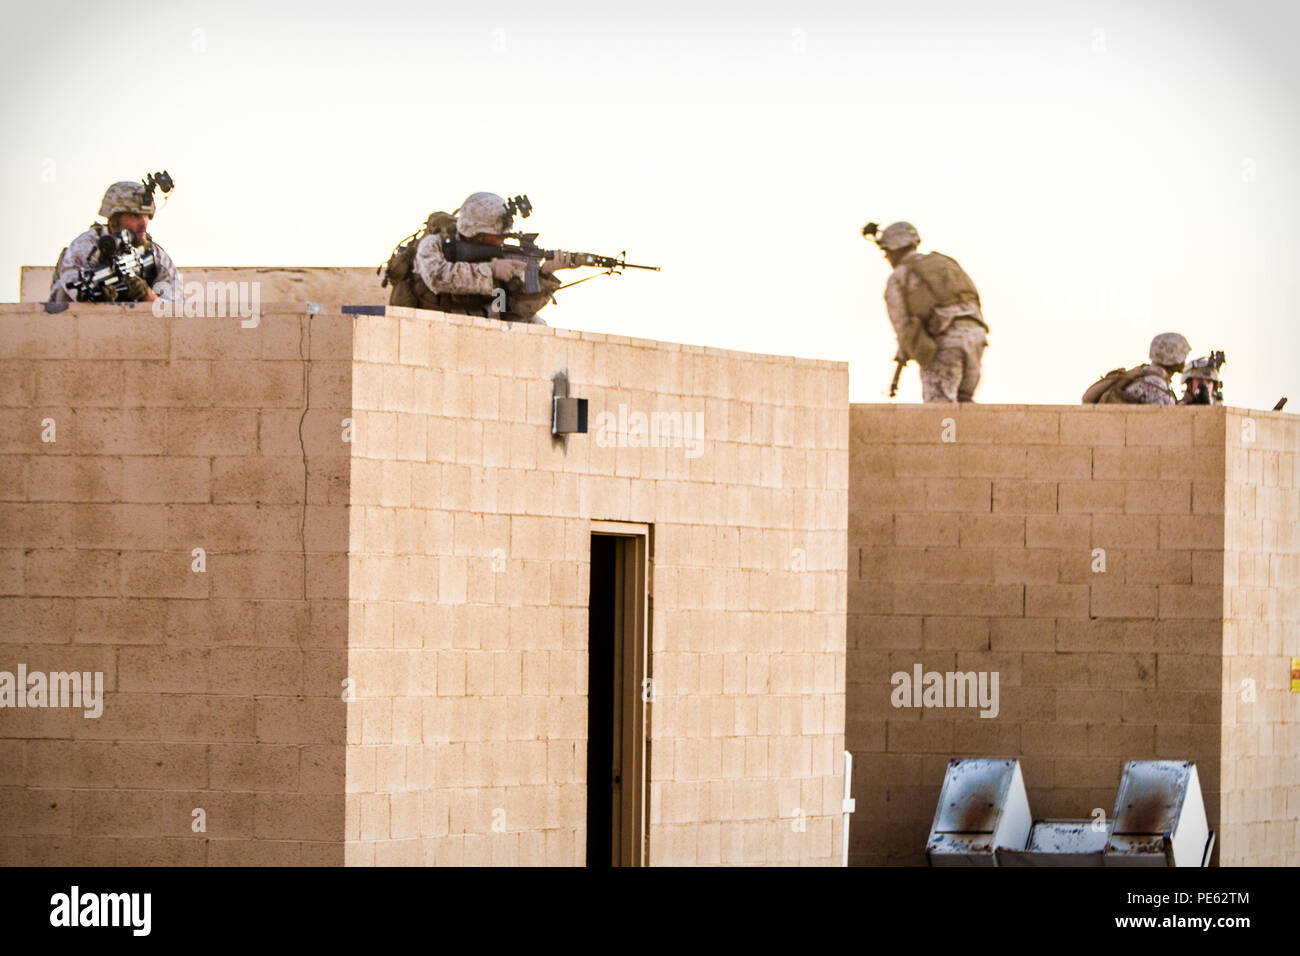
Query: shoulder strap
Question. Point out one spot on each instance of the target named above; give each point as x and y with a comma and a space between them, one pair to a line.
921, 278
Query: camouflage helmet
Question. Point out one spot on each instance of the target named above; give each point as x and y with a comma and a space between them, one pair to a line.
126, 197
1169, 349
483, 213
1202, 368
899, 235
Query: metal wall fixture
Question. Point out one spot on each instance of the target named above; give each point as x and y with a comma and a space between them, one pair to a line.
568, 415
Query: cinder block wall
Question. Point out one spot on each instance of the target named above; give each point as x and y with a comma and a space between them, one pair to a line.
334, 286
127, 443
470, 568
1261, 717
976, 536
384, 516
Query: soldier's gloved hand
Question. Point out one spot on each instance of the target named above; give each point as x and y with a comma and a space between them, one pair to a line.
503, 270
110, 294
137, 290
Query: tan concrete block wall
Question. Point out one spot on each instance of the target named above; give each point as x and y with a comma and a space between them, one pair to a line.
1261, 717
972, 546
470, 564
330, 287
222, 688
386, 516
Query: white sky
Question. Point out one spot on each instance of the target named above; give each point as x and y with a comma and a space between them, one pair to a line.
1104, 170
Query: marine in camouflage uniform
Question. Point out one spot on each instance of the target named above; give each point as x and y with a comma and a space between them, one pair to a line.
125, 207
957, 327
493, 288
1201, 382
1168, 352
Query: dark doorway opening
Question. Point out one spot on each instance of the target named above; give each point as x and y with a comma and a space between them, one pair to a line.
601, 683
617, 696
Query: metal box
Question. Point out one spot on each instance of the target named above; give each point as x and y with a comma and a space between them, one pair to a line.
1059, 843
568, 415
1159, 817
982, 806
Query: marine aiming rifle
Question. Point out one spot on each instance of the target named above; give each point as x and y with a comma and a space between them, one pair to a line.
1201, 380
525, 248
122, 259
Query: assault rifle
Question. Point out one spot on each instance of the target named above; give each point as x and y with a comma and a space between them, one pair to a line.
122, 259
525, 248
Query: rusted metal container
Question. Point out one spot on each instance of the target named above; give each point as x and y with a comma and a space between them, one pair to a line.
1059, 843
982, 806
1159, 817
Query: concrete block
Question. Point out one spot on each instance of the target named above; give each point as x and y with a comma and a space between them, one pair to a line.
1092, 497
939, 460
965, 495
1158, 497
993, 461
1119, 463
1013, 496
1046, 462
1112, 600
1126, 532
1056, 600
1177, 601
1157, 429
923, 530
987, 531
1061, 532
122, 332
1092, 427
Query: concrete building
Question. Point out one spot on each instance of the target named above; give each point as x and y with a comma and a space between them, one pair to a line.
353, 603
1132, 574
336, 574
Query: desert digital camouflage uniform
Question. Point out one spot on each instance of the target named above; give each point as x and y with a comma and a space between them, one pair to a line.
454, 278
83, 253
954, 373
1167, 354
1153, 388
469, 287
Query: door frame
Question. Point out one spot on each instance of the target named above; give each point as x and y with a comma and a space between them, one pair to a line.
632, 605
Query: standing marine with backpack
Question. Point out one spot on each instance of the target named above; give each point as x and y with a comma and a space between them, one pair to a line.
1143, 384
935, 310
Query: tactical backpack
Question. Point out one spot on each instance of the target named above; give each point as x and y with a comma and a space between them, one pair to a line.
941, 281
400, 268
1110, 388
